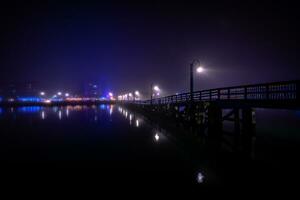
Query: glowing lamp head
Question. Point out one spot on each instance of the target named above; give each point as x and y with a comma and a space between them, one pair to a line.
156, 88
130, 94
59, 93
156, 137
110, 94
42, 93
67, 94
200, 177
137, 93
200, 69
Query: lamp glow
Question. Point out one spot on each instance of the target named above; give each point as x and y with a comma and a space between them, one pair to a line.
200, 69
156, 88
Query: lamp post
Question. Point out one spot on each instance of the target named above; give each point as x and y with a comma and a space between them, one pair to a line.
136, 95
151, 93
199, 69
156, 89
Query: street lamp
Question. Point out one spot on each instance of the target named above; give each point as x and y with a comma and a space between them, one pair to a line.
42, 93
199, 69
154, 88
67, 94
59, 93
136, 95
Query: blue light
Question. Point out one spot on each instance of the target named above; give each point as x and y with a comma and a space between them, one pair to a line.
102, 107
56, 99
29, 109
1, 111
29, 99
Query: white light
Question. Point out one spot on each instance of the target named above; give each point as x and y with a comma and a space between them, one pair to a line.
43, 115
156, 88
59, 115
130, 94
59, 93
137, 123
110, 94
200, 177
110, 110
200, 69
42, 93
48, 101
67, 94
137, 93
156, 137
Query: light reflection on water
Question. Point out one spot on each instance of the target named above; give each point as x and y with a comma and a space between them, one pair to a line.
140, 134
136, 122
60, 112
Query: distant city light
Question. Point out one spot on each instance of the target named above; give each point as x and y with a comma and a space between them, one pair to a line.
42, 93
156, 137
29, 99
130, 94
47, 101
110, 94
137, 123
59, 93
137, 93
67, 94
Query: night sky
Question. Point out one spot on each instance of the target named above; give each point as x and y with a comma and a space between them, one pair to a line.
127, 45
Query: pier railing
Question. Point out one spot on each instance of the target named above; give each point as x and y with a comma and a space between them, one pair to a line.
272, 92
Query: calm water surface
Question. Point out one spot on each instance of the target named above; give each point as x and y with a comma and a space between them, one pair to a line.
108, 143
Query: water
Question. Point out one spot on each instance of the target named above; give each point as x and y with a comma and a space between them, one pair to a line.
110, 144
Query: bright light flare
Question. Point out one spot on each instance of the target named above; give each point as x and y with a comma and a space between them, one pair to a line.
200, 177
110, 94
200, 69
137, 93
47, 101
59, 93
42, 93
156, 88
156, 137
67, 94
